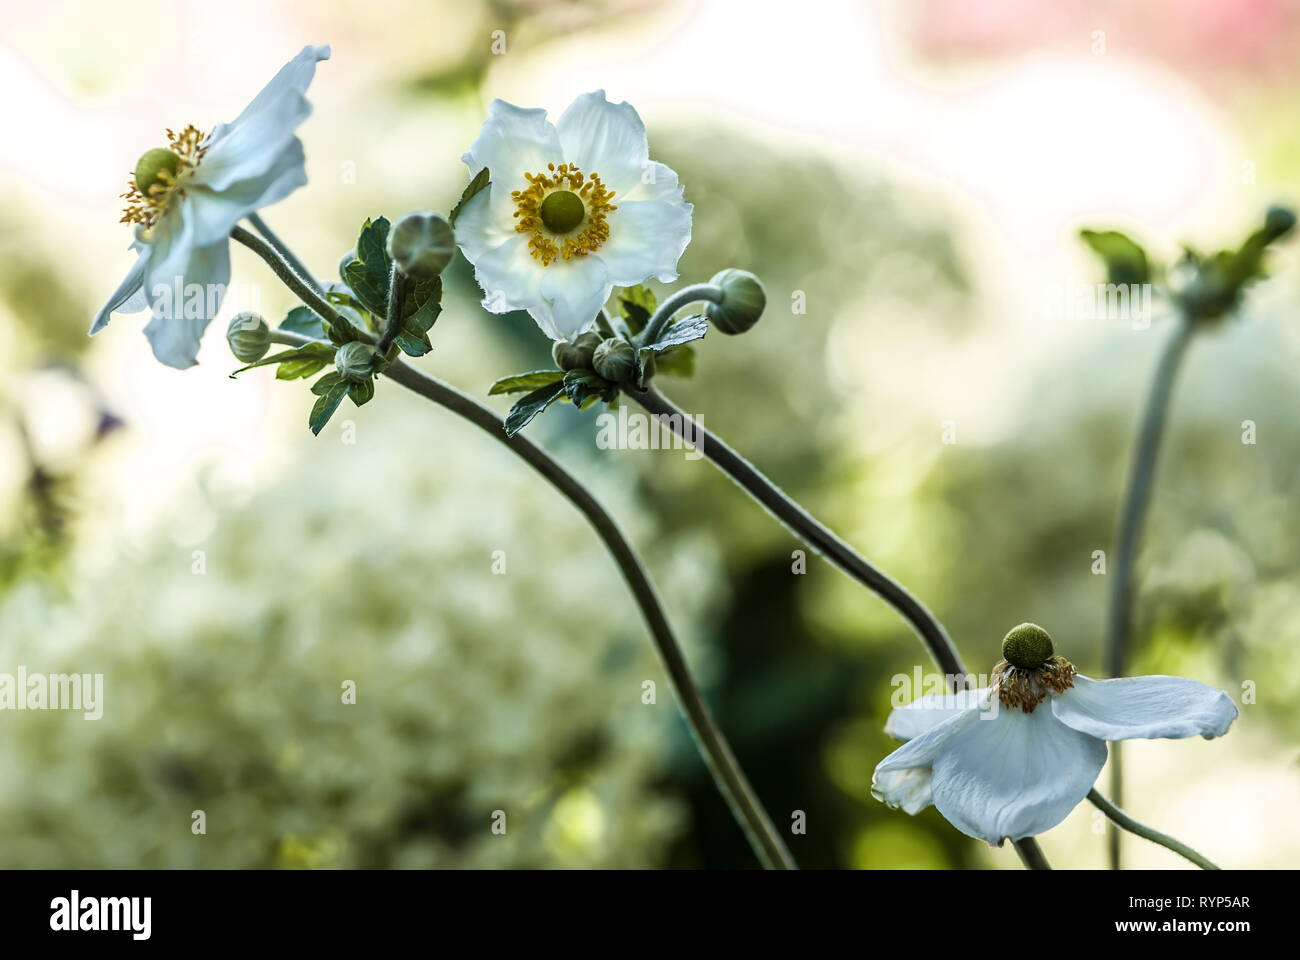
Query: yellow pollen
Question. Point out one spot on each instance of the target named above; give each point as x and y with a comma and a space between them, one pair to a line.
145, 209
591, 231
1027, 688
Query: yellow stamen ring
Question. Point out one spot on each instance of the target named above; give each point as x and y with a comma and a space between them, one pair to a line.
165, 180
556, 227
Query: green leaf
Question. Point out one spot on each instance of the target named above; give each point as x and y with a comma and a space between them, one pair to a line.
679, 332
602, 326
366, 273
311, 351
299, 369
1126, 261
421, 306
361, 393
479, 183
369, 287
330, 390
636, 305
522, 413
677, 362
303, 320
585, 387
524, 382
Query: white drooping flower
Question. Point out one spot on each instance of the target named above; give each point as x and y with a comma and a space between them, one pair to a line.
1011, 760
572, 210
185, 198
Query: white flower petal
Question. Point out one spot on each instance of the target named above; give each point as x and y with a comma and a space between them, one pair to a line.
510, 276
513, 141
479, 228
129, 296
657, 182
1129, 708
929, 711
1013, 775
252, 143
605, 138
573, 291
902, 779
646, 240
175, 339
216, 213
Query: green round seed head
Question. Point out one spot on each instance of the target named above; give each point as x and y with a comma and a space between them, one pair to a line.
158, 165
1027, 646
561, 211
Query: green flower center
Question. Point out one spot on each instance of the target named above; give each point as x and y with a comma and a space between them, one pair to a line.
1027, 646
156, 166
562, 211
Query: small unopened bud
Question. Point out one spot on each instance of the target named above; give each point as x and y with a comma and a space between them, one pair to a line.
249, 337
356, 361
1027, 646
1278, 222
614, 359
576, 354
421, 244
743, 300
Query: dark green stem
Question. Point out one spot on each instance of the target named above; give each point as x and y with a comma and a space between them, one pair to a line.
1122, 819
823, 540
698, 291
1128, 537
285, 253
745, 806
727, 774
290, 277
393, 322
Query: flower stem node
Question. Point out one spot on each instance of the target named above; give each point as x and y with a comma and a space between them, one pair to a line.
742, 303
576, 354
1027, 646
249, 337
614, 360
356, 361
158, 166
422, 245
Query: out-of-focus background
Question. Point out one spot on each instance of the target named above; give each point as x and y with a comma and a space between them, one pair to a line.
916, 173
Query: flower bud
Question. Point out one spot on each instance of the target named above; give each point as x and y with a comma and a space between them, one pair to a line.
1278, 222
356, 361
249, 337
421, 244
576, 354
614, 359
743, 300
1027, 646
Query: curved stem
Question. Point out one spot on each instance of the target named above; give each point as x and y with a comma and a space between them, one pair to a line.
691, 294
718, 757
288, 276
285, 253
1128, 538
822, 539
731, 780
1122, 819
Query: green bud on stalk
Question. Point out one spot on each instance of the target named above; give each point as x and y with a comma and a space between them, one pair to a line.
249, 337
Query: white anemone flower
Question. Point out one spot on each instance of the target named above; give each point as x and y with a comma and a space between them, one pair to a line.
1011, 760
185, 199
572, 210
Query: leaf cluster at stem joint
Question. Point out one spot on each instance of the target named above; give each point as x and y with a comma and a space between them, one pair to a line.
582, 386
